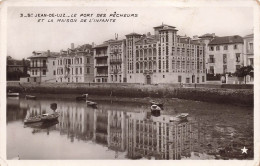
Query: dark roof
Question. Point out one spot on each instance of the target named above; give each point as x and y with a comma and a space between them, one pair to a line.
226, 40
249, 36
207, 35
161, 26
167, 29
149, 40
102, 45
44, 54
133, 34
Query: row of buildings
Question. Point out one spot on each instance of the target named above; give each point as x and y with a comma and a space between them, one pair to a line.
162, 57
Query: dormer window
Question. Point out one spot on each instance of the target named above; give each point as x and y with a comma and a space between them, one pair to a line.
235, 47
211, 48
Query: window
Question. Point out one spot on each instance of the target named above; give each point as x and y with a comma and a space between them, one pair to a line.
32, 72
225, 47
224, 69
237, 57
179, 78
211, 48
198, 80
203, 79
217, 48
88, 70
163, 76
237, 67
88, 60
188, 80
112, 78
224, 58
54, 72
251, 46
53, 63
44, 63
211, 59
211, 70
235, 47
80, 69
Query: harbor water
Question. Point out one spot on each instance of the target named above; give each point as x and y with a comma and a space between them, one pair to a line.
128, 130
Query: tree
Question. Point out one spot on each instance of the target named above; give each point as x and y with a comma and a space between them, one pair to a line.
244, 71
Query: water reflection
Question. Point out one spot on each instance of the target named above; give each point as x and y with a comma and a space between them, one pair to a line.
130, 129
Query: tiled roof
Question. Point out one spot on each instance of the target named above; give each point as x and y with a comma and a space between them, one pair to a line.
207, 35
101, 45
149, 40
249, 36
133, 34
226, 40
44, 54
161, 26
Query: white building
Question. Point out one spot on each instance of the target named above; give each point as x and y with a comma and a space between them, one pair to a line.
75, 65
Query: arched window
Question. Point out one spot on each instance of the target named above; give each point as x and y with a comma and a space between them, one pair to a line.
137, 67
141, 67
137, 54
150, 65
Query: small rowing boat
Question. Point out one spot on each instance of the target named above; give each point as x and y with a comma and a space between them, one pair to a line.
10, 94
91, 103
30, 97
42, 118
180, 118
83, 97
157, 103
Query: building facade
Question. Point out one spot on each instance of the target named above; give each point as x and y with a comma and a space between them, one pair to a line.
110, 61
75, 65
224, 54
164, 57
249, 54
42, 66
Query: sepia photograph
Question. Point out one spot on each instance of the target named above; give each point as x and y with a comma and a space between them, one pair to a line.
111, 82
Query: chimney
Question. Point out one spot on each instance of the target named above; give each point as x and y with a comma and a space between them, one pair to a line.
48, 52
72, 46
93, 44
148, 34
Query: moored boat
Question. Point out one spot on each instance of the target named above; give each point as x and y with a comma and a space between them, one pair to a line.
42, 118
30, 97
91, 103
155, 110
157, 103
181, 117
83, 97
11, 94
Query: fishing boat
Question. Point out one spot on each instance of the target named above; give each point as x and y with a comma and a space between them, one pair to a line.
157, 103
42, 118
179, 118
155, 110
30, 97
83, 97
11, 94
91, 103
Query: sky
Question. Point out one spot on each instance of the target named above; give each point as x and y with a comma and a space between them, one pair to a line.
25, 35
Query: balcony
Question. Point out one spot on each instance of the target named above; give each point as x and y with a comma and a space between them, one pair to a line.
101, 55
148, 71
39, 66
101, 75
101, 65
115, 61
117, 71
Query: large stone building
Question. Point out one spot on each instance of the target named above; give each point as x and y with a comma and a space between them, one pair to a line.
42, 66
75, 65
110, 61
164, 57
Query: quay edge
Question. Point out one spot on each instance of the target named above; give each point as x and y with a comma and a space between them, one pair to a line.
216, 95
